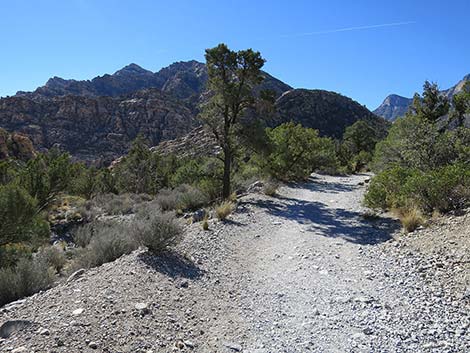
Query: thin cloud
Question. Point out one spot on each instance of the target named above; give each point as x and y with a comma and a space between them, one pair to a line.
349, 29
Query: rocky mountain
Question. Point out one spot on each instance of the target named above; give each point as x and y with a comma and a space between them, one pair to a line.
329, 112
395, 106
15, 145
92, 128
98, 119
182, 80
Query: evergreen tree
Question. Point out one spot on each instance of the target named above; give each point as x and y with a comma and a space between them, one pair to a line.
232, 76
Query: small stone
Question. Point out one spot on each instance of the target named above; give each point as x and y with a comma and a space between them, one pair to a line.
233, 346
78, 311
367, 331
180, 345
93, 345
44, 332
19, 350
143, 308
184, 283
189, 344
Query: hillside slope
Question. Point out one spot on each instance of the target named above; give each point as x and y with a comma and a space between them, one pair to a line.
93, 128
328, 112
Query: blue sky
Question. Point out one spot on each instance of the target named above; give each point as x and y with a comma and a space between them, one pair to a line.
363, 49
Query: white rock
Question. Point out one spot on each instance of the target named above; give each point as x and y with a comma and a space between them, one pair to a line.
78, 311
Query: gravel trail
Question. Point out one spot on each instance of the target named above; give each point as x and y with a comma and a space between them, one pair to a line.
300, 272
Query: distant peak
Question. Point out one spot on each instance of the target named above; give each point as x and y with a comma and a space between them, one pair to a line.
132, 69
466, 78
55, 80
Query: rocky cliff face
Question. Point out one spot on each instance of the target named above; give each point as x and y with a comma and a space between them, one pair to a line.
92, 128
395, 106
15, 145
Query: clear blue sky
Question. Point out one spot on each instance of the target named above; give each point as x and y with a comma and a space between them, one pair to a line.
364, 49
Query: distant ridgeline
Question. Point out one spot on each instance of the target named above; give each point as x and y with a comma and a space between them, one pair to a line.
395, 106
97, 119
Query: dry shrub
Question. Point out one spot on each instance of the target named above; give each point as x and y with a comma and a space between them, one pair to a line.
205, 223
270, 188
53, 256
224, 210
107, 241
184, 197
157, 231
411, 218
29, 276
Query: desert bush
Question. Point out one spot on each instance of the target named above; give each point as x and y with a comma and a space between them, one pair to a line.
168, 199
384, 191
297, 151
29, 276
19, 217
441, 189
156, 230
184, 197
224, 209
410, 219
205, 223
270, 187
107, 241
53, 256
11, 253
113, 204
191, 198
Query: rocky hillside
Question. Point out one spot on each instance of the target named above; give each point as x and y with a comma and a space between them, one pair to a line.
15, 145
395, 106
98, 119
329, 112
97, 127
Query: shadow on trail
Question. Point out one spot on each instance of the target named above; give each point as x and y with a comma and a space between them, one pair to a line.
315, 184
173, 265
331, 222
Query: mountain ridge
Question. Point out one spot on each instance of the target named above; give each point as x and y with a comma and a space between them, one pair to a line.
97, 119
395, 106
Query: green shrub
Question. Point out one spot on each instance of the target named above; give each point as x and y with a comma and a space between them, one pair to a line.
442, 189
11, 253
29, 276
190, 198
385, 189
296, 152
19, 217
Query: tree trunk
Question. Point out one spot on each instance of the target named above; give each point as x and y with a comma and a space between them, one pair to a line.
227, 170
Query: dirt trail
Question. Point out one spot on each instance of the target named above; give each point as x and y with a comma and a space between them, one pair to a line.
301, 272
